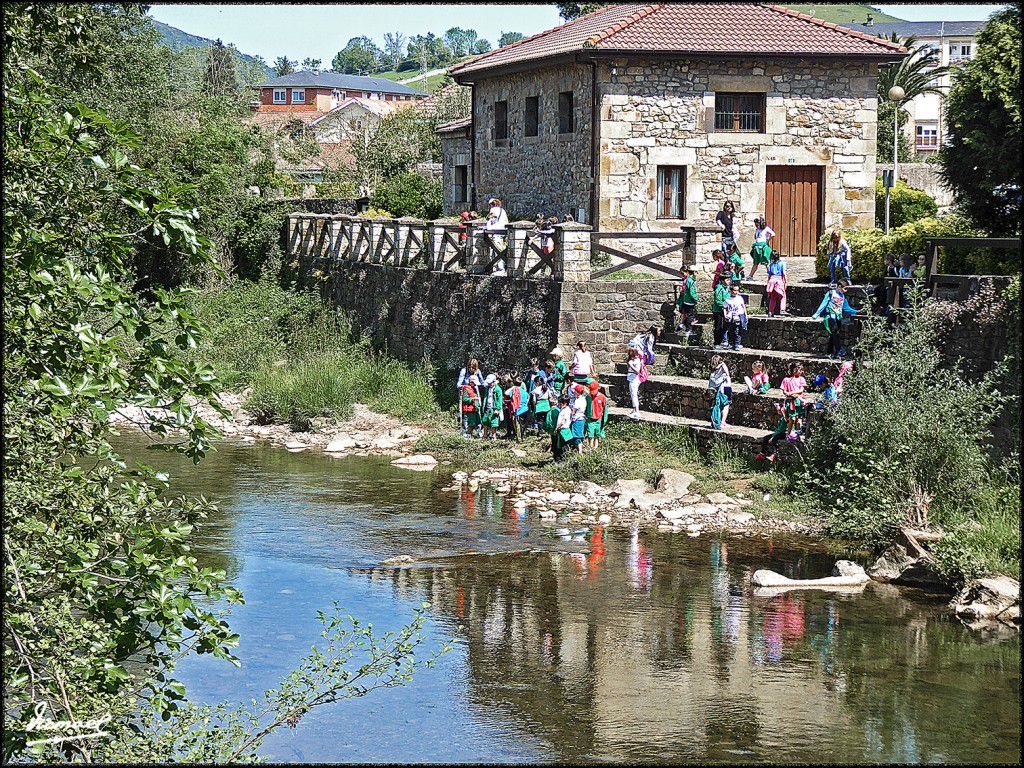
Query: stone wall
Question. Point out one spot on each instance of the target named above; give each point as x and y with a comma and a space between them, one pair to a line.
607, 314
442, 316
456, 149
662, 113
923, 176
548, 173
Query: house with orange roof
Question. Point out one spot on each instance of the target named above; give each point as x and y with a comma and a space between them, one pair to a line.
650, 117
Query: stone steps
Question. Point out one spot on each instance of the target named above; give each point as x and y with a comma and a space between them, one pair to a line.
696, 361
780, 334
690, 398
802, 299
743, 439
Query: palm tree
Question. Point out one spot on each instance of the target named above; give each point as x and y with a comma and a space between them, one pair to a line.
918, 73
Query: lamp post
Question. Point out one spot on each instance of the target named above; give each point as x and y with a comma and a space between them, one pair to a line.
895, 95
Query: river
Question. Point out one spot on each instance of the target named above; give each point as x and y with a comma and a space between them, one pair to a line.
621, 646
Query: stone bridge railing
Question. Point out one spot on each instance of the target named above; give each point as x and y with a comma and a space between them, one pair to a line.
437, 246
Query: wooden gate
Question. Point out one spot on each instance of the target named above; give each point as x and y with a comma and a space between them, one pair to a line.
794, 207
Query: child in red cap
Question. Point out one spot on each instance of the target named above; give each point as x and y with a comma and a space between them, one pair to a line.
597, 414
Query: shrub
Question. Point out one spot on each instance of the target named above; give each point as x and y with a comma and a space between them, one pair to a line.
908, 435
409, 194
906, 204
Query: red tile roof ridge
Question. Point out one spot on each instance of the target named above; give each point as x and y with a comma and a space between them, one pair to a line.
624, 24
571, 22
831, 25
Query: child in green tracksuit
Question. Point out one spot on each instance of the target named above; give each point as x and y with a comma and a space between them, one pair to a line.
789, 426
471, 409
541, 403
687, 302
492, 404
718, 313
561, 371
736, 263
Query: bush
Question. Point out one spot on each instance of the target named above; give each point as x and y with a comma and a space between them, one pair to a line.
906, 204
908, 435
409, 194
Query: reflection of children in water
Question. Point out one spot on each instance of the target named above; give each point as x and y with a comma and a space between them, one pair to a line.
597, 552
638, 563
467, 500
460, 602
783, 626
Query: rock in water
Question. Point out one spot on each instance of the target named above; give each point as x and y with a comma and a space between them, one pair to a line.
985, 600
340, 444
398, 560
295, 445
849, 570
384, 443
419, 459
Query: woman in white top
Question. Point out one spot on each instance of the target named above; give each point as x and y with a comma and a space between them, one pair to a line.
497, 221
633, 367
582, 363
762, 249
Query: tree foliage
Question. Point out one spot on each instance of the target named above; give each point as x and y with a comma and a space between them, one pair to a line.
507, 38
981, 162
220, 78
360, 55
917, 74
409, 194
284, 66
570, 11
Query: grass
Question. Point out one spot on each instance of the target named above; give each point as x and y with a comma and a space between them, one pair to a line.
842, 14
630, 274
299, 359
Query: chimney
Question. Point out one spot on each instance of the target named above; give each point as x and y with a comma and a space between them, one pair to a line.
870, 21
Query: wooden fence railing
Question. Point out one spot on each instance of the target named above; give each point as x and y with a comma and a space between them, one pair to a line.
684, 238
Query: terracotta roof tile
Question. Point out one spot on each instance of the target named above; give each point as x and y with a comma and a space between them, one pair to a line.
701, 28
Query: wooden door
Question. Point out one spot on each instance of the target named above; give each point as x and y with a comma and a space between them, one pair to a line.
793, 207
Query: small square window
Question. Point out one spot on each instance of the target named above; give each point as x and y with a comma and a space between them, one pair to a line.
741, 112
532, 115
500, 120
280, 96
460, 185
671, 191
566, 116
298, 95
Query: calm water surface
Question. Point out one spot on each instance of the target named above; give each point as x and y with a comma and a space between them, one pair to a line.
618, 647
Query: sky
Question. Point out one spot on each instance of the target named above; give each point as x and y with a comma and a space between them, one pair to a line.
320, 31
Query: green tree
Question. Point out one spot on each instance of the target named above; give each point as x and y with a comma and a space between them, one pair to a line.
220, 78
359, 55
570, 11
981, 161
409, 194
507, 38
394, 43
917, 74
311, 65
283, 66
480, 46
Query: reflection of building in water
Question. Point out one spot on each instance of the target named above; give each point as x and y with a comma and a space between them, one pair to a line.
669, 662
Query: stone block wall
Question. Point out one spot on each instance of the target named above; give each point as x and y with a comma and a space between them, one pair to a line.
662, 113
456, 149
607, 314
442, 316
548, 173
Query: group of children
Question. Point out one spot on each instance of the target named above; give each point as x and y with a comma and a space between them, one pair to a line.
792, 410
570, 408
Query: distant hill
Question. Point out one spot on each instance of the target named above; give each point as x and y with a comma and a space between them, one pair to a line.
842, 14
177, 39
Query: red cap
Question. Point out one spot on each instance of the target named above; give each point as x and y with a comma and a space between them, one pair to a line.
594, 386
578, 389
465, 215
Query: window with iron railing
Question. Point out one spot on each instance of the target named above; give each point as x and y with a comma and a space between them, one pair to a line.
742, 112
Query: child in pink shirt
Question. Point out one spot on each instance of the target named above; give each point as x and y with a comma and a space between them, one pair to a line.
795, 383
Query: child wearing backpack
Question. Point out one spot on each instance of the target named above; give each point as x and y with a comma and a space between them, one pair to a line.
491, 415
470, 409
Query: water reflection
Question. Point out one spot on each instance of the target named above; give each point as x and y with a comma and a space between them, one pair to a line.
627, 646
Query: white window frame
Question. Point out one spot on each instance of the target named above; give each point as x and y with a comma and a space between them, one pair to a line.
926, 130
298, 95
283, 93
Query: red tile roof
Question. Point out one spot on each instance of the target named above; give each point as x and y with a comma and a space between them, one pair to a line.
725, 29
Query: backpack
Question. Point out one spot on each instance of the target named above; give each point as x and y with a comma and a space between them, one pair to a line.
468, 402
642, 377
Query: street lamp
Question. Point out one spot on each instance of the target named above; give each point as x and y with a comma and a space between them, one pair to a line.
895, 95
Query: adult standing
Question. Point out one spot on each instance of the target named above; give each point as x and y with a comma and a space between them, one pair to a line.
582, 363
471, 373
497, 222
726, 218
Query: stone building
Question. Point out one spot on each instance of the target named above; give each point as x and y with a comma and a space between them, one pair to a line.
648, 118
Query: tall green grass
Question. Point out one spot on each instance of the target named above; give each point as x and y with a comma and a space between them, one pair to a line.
299, 358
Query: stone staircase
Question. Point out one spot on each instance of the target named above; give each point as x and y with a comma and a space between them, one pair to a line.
677, 391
